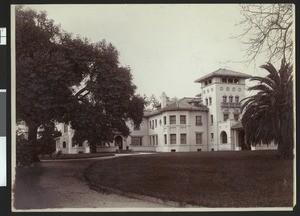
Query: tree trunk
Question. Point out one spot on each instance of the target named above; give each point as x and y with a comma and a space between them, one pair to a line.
93, 148
285, 149
32, 141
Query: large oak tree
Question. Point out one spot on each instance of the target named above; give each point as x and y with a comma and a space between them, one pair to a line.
64, 79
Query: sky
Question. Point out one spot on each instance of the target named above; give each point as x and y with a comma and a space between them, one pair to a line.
166, 46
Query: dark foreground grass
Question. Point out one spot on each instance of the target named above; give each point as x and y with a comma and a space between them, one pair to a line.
208, 179
74, 156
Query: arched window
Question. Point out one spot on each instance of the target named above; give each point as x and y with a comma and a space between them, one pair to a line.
223, 137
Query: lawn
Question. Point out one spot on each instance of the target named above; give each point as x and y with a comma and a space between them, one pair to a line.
207, 179
74, 156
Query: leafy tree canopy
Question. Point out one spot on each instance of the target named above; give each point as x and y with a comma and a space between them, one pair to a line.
268, 114
66, 79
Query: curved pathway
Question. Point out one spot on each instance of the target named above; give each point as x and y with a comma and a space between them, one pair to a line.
60, 184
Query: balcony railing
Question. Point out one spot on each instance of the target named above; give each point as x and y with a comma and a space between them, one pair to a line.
230, 105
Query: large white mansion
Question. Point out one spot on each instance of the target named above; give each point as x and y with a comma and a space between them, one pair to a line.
208, 122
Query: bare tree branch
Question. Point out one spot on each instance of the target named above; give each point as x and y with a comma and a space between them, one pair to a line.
267, 29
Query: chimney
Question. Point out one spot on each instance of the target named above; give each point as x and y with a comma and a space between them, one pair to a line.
163, 100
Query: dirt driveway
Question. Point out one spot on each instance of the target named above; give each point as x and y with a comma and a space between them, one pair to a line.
60, 184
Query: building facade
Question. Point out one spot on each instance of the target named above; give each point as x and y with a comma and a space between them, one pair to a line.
208, 122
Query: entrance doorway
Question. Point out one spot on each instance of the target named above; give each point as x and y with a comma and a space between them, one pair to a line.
119, 142
241, 139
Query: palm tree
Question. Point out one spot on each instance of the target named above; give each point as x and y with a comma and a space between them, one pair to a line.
268, 114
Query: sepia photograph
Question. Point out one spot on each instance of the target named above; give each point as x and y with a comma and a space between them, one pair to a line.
153, 107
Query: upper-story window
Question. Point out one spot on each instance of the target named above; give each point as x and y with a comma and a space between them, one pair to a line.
205, 83
237, 99
155, 122
165, 120
230, 99
150, 124
173, 119
225, 116
230, 80
236, 117
196, 103
224, 99
198, 120
182, 119
224, 80
210, 101
209, 81
236, 80
206, 102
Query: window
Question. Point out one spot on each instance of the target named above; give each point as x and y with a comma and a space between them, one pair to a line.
211, 119
183, 138
166, 139
210, 101
230, 80
172, 138
209, 81
224, 80
155, 122
172, 119
150, 124
65, 128
206, 102
198, 138
165, 120
205, 82
199, 120
236, 117
197, 104
224, 99
225, 116
64, 144
136, 127
80, 144
212, 136
230, 99
182, 119
236, 80
223, 137
136, 141
237, 99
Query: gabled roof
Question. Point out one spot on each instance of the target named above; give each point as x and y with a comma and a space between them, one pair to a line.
222, 73
237, 126
184, 104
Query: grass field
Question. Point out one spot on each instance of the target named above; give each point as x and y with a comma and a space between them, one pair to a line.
74, 156
208, 179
